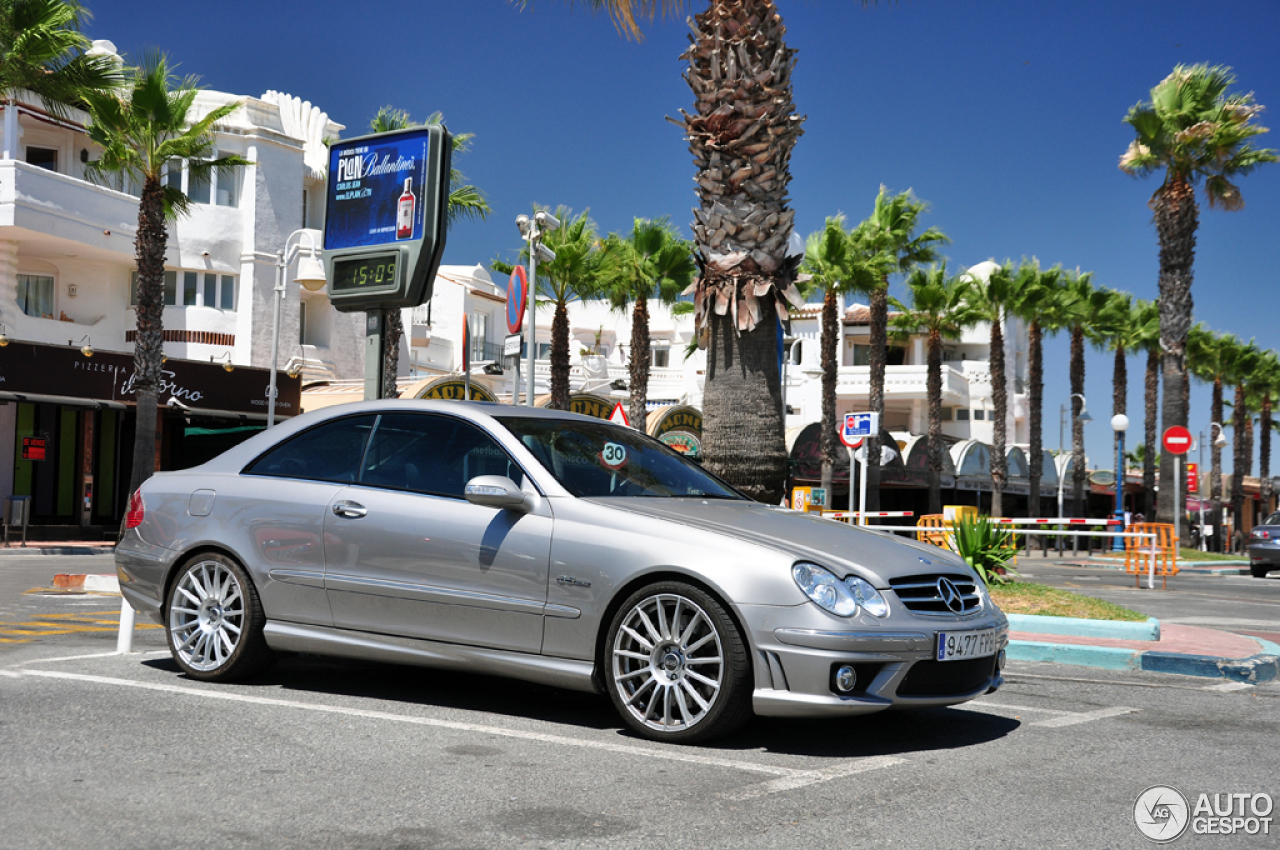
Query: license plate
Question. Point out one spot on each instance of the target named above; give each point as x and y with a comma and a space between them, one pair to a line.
957, 646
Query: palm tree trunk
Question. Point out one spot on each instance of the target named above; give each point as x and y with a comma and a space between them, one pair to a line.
742, 429
1215, 463
560, 358
1078, 472
1151, 400
740, 74
1119, 404
879, 342
933, 387
1239, 415
1264, 454
639, 366
1176, 218
148, 346
394, 330
1035, 376
830, 440
1000, 399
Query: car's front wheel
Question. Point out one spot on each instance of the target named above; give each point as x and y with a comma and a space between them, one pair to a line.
677, 665
215, 619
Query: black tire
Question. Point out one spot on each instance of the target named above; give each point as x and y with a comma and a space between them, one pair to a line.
1259, 570
214, 620
685, 684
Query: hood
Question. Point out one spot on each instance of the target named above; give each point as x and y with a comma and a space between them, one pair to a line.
844, 549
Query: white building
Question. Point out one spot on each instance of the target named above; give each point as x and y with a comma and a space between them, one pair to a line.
67, 261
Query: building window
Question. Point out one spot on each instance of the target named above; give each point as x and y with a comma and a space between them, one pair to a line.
46, 158
199, 187
979, 415
304, 207
199, 289
895, 355
962, 414
946, 414
661, 358
35, 295
302, 322
212, 187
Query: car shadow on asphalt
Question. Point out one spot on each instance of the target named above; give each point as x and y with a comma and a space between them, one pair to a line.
883, 733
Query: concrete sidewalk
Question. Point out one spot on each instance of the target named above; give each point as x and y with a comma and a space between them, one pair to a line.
63, 547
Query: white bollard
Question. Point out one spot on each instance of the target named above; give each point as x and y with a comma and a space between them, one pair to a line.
124, 640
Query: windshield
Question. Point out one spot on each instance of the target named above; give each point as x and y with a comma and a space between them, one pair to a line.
601, 459
1274, 519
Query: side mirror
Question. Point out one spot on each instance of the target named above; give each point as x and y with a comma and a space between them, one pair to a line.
497, 491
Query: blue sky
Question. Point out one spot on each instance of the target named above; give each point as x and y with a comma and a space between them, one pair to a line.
1004, 116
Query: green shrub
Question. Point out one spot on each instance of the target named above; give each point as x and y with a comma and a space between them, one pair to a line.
987, 547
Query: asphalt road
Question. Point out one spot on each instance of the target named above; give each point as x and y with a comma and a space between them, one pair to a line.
108, 751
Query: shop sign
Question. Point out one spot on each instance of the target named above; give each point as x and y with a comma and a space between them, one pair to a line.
687, 444
109, 376
33, 448
586, 404
455, 389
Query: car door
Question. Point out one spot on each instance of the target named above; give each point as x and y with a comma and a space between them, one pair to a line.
274, 514
406, 554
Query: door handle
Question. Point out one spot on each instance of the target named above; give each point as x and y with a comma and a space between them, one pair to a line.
350, 510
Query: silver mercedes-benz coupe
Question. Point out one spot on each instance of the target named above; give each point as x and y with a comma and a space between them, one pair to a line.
553, 548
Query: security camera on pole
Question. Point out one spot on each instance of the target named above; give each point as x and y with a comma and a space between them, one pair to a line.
532, 232
384, 231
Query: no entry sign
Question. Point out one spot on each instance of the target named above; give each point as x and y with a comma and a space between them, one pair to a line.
1176, 440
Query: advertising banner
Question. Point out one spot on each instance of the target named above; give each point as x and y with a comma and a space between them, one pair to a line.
376, 191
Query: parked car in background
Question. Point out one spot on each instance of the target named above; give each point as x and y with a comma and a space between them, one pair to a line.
1264, 546
553, 548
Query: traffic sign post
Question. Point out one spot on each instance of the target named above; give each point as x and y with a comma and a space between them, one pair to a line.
853, 432
1177, 442
386, 208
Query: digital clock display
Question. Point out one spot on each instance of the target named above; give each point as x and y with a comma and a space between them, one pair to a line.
372, 272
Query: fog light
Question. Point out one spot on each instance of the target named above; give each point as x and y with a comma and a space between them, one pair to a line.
1000, 660
846, 679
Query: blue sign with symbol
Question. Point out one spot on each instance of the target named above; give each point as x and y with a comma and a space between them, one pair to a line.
857, 425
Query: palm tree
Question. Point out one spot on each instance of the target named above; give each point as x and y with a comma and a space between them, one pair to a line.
889, 234
741, 132
1210, 358
1130, 326
465, 201
1137, 456
990, 300
1244, 364
651, 262
577, 273
43, 51
1085, 310
1193, 130
1039, 303
142, 127
834, 268
940, 308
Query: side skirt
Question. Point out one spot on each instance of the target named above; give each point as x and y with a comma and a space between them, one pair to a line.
320, 640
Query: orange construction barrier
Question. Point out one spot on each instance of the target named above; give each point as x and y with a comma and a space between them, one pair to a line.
1138, 551
934, 530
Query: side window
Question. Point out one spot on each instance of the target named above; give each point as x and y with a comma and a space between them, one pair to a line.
436, 455
328, 452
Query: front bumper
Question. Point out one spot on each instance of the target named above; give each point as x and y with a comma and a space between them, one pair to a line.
895, 662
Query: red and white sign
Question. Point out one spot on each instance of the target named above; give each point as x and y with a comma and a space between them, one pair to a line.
619, 415
33, 448
517, 295
1176, 440
613, 455
1193, 477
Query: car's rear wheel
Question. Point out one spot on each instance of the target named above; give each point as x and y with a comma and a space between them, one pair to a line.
1259, 570
214, 621
677, 665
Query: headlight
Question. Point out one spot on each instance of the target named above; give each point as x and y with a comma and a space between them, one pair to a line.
826, 591
867, 596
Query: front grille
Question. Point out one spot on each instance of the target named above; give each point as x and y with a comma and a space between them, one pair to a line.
922, 595
947, 678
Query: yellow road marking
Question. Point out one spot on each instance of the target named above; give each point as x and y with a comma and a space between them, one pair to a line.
49, 625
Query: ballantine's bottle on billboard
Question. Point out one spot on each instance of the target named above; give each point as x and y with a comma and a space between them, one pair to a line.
404, 213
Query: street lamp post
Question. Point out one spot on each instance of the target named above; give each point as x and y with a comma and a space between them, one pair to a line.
1218, 442
790, 356
311, 276
532, 232
1119, 424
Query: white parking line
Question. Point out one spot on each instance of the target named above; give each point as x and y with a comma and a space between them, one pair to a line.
668, 755
1000, 706
805, 778
1086, 716
1228, 686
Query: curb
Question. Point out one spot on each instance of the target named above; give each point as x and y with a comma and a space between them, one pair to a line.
1075, 627
1106, 657
30, 550
1263, 667
81, 583
1254, 669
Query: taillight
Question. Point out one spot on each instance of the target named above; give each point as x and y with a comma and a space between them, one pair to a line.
133, 517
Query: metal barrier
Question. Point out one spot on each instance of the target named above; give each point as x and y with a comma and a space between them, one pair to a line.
1161, 558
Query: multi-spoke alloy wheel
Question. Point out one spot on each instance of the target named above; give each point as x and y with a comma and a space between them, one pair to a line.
677, 664
215, 620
